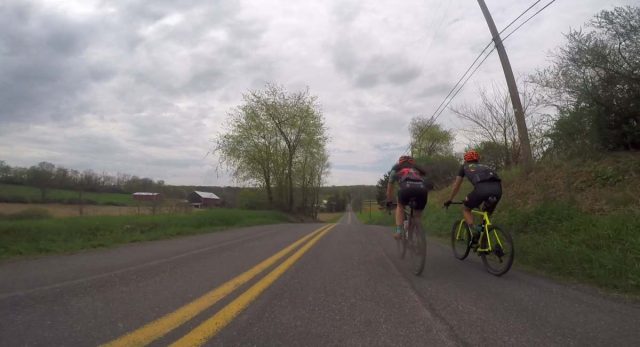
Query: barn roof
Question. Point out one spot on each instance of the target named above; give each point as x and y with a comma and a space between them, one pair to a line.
145, 193
207, 195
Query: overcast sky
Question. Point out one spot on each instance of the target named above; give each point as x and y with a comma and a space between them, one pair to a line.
142, 87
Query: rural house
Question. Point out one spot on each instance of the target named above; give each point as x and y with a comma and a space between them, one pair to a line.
203, 199
145, 196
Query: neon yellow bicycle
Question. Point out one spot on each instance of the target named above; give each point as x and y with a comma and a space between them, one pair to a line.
494, 245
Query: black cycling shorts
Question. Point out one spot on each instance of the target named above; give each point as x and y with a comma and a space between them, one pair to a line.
413, 190
481, 193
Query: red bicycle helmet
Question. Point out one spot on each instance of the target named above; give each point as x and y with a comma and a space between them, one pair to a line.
471, 155
406, 159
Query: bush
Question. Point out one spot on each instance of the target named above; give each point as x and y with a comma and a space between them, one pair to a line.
575, 132
441, 169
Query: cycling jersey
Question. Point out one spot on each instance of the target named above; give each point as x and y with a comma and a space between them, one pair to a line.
486, 183
406, 172
477, 173
410, 179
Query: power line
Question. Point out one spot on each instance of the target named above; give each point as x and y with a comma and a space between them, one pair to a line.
528, 19
521, 14
488, 54
486, 47
455, 91
461, 78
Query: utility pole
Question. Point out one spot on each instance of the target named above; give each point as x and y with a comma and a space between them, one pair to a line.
523, 134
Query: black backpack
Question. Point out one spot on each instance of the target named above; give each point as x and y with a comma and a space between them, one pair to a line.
477, 173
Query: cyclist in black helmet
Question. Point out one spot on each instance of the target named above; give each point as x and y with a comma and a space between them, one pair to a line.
410, 179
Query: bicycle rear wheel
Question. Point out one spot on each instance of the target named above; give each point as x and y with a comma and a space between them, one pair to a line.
418, 241
460, 239
401, 244
500, 258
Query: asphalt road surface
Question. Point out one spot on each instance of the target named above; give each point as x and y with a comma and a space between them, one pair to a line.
295, 285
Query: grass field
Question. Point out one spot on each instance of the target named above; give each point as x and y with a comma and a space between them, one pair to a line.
26, 194
45, 236
66, 210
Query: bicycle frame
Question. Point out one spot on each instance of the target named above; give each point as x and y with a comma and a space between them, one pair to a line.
408, 216
486, 222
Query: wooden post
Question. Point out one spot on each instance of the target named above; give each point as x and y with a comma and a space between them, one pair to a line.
523, 134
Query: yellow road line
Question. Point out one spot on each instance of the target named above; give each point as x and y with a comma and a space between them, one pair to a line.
160, 327
213, 325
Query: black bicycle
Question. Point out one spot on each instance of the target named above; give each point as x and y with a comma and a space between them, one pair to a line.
413, 238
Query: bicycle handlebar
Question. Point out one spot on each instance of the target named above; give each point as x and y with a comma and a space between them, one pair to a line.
393, 205
454, 203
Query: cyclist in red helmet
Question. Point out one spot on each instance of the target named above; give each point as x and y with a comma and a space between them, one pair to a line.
487, 188
410, 179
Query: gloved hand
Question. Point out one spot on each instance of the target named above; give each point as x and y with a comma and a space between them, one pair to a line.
447, 203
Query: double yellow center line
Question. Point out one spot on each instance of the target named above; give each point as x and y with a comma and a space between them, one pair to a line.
205, 331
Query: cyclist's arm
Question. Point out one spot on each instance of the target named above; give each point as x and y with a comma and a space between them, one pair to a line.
456, 187
392, 179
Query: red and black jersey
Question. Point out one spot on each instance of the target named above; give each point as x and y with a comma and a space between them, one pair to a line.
406, 172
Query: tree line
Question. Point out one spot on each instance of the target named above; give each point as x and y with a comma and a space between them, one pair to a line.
45, 175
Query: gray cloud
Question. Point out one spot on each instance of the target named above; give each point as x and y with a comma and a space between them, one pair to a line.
142, 86
367, 70
42, 72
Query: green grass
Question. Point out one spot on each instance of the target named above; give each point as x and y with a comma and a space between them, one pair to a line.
556, 239
46, 236
376, 217
27, 194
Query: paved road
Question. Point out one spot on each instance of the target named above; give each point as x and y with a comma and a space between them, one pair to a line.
342, 285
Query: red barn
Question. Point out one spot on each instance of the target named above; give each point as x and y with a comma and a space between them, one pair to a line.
204, 199
145, 196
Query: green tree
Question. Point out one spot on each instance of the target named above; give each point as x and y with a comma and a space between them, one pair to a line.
594, 81
41, 176
441, 169
381, 188
432, 146
277, 141
429, 138
5, 171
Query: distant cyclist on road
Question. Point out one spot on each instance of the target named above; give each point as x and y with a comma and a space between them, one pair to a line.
487, 188
410, 179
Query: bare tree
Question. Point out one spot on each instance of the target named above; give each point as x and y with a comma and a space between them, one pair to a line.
492, 121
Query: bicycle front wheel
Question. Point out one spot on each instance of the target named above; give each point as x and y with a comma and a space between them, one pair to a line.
499, 258
460, 239
418, 249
